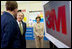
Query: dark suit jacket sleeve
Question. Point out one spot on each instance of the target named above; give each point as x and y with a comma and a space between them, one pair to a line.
8, 35
25, 27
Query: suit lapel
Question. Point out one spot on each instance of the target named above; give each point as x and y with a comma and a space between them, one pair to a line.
23, 27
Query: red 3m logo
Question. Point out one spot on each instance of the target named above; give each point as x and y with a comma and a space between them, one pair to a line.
55, 21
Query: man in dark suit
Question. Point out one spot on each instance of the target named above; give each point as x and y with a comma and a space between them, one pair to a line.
22, 26
10, 37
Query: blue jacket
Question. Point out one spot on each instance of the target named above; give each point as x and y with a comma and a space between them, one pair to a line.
10, 33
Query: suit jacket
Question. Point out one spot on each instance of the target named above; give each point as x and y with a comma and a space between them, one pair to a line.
10, 33
38, 29
22, 39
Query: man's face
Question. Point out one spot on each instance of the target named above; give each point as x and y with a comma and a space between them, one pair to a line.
19, 16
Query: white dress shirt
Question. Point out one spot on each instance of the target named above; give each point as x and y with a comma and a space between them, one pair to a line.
19, 22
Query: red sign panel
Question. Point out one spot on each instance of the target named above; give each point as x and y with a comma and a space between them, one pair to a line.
61, 18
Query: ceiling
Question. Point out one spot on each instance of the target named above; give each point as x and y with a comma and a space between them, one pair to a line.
25, 2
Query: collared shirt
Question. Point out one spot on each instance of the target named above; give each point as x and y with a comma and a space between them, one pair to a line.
19, 23
21, 27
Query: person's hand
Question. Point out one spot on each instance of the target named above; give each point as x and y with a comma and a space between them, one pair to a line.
41, 36
38, 36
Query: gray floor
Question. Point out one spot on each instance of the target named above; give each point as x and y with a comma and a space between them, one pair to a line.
31, 44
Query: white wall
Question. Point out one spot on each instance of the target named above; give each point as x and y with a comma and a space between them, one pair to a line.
27, 5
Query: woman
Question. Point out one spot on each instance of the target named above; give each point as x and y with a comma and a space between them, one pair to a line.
39, 33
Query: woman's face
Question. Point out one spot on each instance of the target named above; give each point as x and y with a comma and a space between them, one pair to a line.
38, 20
